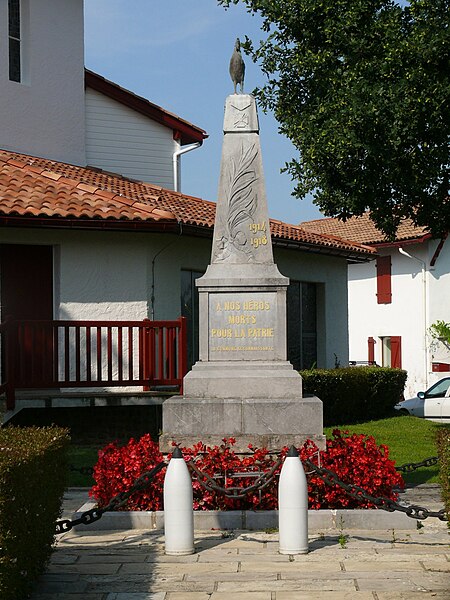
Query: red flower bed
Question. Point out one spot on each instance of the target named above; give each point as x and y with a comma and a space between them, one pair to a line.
118, 467
356, 459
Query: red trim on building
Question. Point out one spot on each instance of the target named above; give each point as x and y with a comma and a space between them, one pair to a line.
438, 250
384, 293
187, 132
400, 244
396, 352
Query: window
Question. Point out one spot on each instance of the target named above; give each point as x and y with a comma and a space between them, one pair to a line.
384, 295
14, 37
391, 351
189, 309
302, 324
439, 389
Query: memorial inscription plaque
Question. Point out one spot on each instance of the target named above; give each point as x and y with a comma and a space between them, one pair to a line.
242, 326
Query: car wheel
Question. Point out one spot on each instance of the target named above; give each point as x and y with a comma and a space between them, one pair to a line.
403, 411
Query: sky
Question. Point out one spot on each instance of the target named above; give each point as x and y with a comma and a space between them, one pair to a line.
176, 53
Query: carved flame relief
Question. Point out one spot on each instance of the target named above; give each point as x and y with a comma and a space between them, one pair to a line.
240, 205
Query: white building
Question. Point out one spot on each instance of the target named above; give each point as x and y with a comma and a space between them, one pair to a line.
51, 108
78, 242
394, 299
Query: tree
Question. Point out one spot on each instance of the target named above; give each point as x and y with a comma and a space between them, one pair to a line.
361, 88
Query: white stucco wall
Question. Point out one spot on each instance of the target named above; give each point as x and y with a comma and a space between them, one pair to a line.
108, 275
121, 140
44, 115
403, 317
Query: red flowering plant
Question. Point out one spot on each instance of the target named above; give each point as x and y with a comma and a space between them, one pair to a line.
356, 459
118, 467
230, 470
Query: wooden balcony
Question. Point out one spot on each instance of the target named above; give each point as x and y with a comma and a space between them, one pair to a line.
46, 355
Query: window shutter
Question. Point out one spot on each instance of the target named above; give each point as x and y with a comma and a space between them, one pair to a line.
384, 295
371, 347
396, 352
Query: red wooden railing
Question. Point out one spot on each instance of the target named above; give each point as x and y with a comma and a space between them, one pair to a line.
84, 354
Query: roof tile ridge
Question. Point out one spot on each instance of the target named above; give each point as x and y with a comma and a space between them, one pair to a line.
326, 237
345, 241
51, 175
332, 237
151, 185
30, 159
51, 170
318, 220
80, 185
294, 226
14, 162
187, 196
141, 207
45, 172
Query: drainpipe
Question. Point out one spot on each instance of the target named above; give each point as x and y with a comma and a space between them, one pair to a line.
175, 156
424, 304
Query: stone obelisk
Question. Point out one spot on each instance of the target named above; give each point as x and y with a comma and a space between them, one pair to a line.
242, 386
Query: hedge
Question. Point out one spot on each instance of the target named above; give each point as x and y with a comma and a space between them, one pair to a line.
355, 394
33, 470
443, 446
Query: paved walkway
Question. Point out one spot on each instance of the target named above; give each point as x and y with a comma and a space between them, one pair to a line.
244, 565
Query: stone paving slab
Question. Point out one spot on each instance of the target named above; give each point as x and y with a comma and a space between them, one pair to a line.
131, 565
380, 564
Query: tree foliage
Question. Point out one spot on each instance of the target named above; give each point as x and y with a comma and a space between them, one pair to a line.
361, 88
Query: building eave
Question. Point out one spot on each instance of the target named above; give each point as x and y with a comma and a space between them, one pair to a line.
400, 243
184, 131
165, 226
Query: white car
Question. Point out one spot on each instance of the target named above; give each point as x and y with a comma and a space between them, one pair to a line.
434, 404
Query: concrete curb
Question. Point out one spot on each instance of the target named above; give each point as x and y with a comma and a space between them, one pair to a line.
318, 520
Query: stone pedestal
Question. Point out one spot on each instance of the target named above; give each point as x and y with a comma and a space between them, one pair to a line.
263, 422
242, 386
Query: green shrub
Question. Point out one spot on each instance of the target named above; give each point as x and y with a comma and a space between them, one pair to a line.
33, 471
356, 393
443, 446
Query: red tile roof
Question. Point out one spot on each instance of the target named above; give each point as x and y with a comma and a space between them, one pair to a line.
60, 195
183, 130
362, 229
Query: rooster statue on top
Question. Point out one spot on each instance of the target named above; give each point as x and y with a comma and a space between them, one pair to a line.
237, 67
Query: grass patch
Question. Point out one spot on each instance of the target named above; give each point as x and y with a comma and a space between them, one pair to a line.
82, 456
409, 439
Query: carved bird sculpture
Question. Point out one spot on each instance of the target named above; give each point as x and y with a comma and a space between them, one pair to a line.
237, 67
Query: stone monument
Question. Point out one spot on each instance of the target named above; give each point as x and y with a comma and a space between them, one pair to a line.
242, 386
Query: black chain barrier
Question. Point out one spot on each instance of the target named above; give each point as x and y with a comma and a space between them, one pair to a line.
413, 510
410, 467
94, 514
82, 470
237, 493
263, 480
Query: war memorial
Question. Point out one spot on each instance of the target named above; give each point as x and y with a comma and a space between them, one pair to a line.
242, 386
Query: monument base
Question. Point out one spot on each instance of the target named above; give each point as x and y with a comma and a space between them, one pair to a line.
264, 422
243, 379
